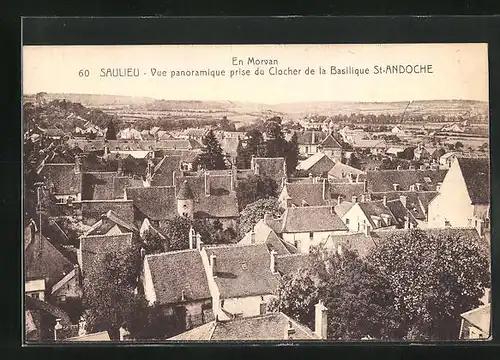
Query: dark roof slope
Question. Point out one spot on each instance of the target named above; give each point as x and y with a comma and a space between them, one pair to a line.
163, 173
63, 177
43, 261
155, 202
346, 190
243, 270
177, 271
289, 264
308, 194
307, 138
359, 242
311, 219
185, 192
377, 208
416, 201
476, 173
383, 180
400, 212
330, 143
98, 186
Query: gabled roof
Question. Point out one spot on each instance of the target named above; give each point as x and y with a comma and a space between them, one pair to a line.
476, 173
163, 172
330, 143
313, 160
290, 263
310, 194
400, 212
479, 317
178, 271
154, 202
340, 170
346, 190
36, 304
368, 143
184, 192
63, 176
417, 202
306, 137
265, 235
384, 180
43, 261
272, 326
243, 270
377, 208
108, 221
311, 219
98, 185
94, 248
359, 242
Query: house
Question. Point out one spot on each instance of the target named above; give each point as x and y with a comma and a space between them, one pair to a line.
396, 130
342, 171
90, 211
347, 191
332, 148
177, 282
64, 181
420, 153
453, 128
49, 275
214, 197
129, 133
155, 203
375, 147
271, 327
111, 224
309, 141
373, 215
275, 168
54, 133
305, 194
464, 196
394, 151
446, 160
476, 323
94, 249
263, 234
307, 226
194, 133
165, 170
403, 180
318, 164
136, 154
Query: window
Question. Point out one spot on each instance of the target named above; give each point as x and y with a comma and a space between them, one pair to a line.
474, 333
35, 296
311, 235
347, 221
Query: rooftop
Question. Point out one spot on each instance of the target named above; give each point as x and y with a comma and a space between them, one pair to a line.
311, 219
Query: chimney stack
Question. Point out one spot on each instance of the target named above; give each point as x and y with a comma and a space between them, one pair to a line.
354, 199
198, 241
479, 227
213, 265
320, 320
311, 178
313, 138
384, 200
57, 328
324, 189
252, 237
267, 217
183, 295
192, 236
339, 199
207, 184
363, 199
106, 150
402, 198
289, 331
78, 164
232, 181
273, 261
395, 186
143, 253
365, 186
367, 230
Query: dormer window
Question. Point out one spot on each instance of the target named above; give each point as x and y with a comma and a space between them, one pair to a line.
395, 186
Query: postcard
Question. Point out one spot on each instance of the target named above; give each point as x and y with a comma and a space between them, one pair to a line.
256, 193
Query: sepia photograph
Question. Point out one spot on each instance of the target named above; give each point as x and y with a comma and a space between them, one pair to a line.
248, 193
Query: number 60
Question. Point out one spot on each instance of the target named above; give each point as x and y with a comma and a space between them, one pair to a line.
84, 73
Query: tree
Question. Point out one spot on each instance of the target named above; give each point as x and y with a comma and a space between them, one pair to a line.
292, 154
255, 187
148, 322
109, 294
276, 145
354, 161
176, 231
154, 243
242, 157
407, 154
212, 156
358, 299
255, 211
434, 277
111, 131
459, 145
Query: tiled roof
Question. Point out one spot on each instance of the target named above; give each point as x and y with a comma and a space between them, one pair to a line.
272, 326
368, 143
43, 261
479, 317
177, 271
340, 171
342, 208
476, 173
36, 304
383, 180
243, 270
108, 221
122, 182
359, 242
93, 209
377, 208
164, 171
64, 178
330, 143
265, 235
95, 248
310, 194
313, 160
290, 263
184, 192
220, 204
400, 212
311, 219
98, 185
271, 167
306, 137
416, 201
346, 190
155, 202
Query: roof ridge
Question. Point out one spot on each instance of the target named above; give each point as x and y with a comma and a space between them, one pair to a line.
104, 235
170, 253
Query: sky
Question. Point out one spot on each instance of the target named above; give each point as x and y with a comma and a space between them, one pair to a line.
459, 71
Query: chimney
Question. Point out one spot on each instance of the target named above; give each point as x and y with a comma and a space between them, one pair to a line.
324, 189
106, 150
252, 237
57, 328
384, 200
479, 227
363, 198
354, 199
192, 236
183, 295
339, 199
419, 186
320, 320
438, 186
395, 186
273, 261
213, 265
207, 184
313, 138
198, 241
120, 167
289, 331
367, 230
123, 334
173, 178
78, 164
311, 178
232, 181
402, 198
256, 168
365, 186
143, 253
